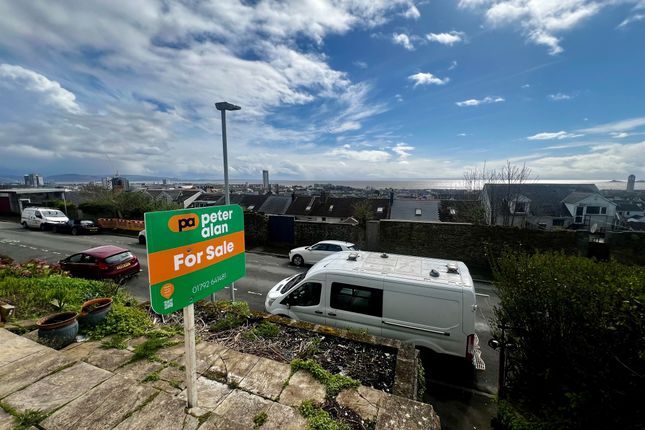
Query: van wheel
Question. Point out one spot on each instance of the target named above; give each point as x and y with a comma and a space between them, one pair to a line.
297, 260
55, 229
74, 231
24, 225
142, 240
42, 227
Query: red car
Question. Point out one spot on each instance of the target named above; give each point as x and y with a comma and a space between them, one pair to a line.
102, 262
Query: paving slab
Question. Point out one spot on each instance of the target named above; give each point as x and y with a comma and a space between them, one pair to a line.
26, 371
365, 401
15, 347
281, 417
172, 353
216, 422
174, 375
208, 350
233, 365
7, 421
58, 389
92, 353
80, 351
302, 386
400, 413
138, 370
103, 407
163, 412
209, 393
241, 407
266, 378
167, 387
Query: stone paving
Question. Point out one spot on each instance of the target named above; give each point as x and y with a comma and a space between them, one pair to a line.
86, 387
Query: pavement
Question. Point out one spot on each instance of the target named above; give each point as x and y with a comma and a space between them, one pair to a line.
86, 387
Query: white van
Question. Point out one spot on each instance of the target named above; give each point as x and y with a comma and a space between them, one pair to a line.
424, 301
42, 218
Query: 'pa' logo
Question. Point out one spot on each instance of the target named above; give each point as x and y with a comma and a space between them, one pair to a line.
183, 222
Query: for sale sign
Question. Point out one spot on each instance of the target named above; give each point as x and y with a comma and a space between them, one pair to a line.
192, 253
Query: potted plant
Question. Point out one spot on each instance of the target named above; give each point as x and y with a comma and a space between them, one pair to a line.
95, 311
58, 330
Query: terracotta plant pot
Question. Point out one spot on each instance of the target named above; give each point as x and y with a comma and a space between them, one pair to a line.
95, 311
58, 330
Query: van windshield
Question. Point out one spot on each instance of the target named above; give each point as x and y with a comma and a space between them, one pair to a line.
52, 213
293, 281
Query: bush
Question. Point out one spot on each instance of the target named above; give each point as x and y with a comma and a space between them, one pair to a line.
318, 419
577, 328
123, 320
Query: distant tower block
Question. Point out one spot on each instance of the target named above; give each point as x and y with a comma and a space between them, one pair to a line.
265, 180
630, 183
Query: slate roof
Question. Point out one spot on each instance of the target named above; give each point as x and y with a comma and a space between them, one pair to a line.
343, 207
628, 207
406, 210
275, 205
575, 197
546, 199
300, 203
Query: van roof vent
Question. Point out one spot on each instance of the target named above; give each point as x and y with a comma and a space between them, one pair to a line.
384, 255
434, 273
353, 256
452, 268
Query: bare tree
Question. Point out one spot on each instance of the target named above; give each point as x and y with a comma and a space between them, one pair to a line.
513, 177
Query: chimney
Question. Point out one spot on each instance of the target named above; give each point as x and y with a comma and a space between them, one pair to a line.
293, 196
391, 197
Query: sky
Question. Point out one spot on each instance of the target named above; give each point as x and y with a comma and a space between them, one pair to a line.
328, 89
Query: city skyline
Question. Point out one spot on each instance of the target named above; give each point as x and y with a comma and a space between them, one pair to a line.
340, 91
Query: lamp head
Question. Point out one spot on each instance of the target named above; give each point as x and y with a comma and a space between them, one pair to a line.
226, 106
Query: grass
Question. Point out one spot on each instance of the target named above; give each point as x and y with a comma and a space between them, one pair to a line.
117, 341
25, 419
154, 376
259, 420
229, 322
334, 384
149, 348
318, 419
264, 330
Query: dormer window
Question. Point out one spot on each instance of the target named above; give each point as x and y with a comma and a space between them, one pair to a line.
520, 207
379, 210
331, 208
251, 207
417, 212
308, 208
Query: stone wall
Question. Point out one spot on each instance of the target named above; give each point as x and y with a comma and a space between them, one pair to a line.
627, 247
256, 229
308, 232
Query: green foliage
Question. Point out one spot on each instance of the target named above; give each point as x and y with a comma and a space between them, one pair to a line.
312, 348
421, 380
511, 419
577, 328
318, 419
230, 321
149, 348
102, 203
363, 212
334, 384
227, 314
26, 419
259, 420
154, 376
265, 329
166, 331
237, 307
117, 341
124, 320
28, 269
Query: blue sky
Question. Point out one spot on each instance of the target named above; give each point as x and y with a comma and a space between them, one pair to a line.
353, 89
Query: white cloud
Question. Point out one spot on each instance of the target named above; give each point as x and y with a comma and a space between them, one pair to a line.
360, 64
398, 97
453, 65
346, 126
446, 38
554, 135
462, 134
541, 21
617, 126
477, 102
52, 91
403, 40
412, 12
620, 135
634, 18
559, 97
403, 150
370, 156
526, 86
427, 79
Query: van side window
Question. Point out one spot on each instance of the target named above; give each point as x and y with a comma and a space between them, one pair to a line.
352, 298
306, 295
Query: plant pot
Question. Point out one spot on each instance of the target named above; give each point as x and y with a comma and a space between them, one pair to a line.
94, 311
58, 330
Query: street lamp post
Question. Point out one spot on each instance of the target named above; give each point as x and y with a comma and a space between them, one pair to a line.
223, 107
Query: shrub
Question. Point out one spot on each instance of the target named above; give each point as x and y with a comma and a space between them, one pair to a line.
318, 419
123, 320
265, 329
577, 328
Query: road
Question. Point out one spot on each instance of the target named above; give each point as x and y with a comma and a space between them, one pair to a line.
450, 386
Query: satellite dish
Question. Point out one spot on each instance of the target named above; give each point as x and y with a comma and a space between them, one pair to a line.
594, 228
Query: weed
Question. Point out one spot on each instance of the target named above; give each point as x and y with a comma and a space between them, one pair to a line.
122, 320
25, 419
334, 384
265, 329
149, 348
318, 419
154, 376
312, 348
117, 341
169, 330
228, 322
233, 384
259, 420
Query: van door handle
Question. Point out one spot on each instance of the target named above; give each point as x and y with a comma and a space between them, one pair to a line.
331, 314
318, 312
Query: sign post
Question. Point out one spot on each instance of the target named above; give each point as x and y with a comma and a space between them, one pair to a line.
192, 253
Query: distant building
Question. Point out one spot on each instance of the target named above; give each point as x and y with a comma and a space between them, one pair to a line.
265, 180
107, 182
34, 180
631, 180
119, 183
13, 201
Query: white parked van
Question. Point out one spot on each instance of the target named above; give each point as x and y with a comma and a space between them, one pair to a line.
424, 301
42, 218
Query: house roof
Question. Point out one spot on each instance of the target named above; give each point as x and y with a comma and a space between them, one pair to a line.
576, 197
546, 199
628, 207
343, 207
300, 204
428, 210
275, 205
252, 202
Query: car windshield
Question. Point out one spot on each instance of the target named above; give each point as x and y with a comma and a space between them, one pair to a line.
53, 213
119, 258
293, 281
353, 248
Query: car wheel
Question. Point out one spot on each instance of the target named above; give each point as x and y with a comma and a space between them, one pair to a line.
24, 225
297, 260
74, 231
142, 240
55, 229
42, 227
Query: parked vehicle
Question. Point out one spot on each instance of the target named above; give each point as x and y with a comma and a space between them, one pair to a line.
428, 302
314, 253
77, 226
103, 262
142, 237
42, 218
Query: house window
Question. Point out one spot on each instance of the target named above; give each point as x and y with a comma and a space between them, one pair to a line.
603, 210
520, 207
308, 208
353, 298
593, 210
379, 210
417, 212
251, 207
331, 208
